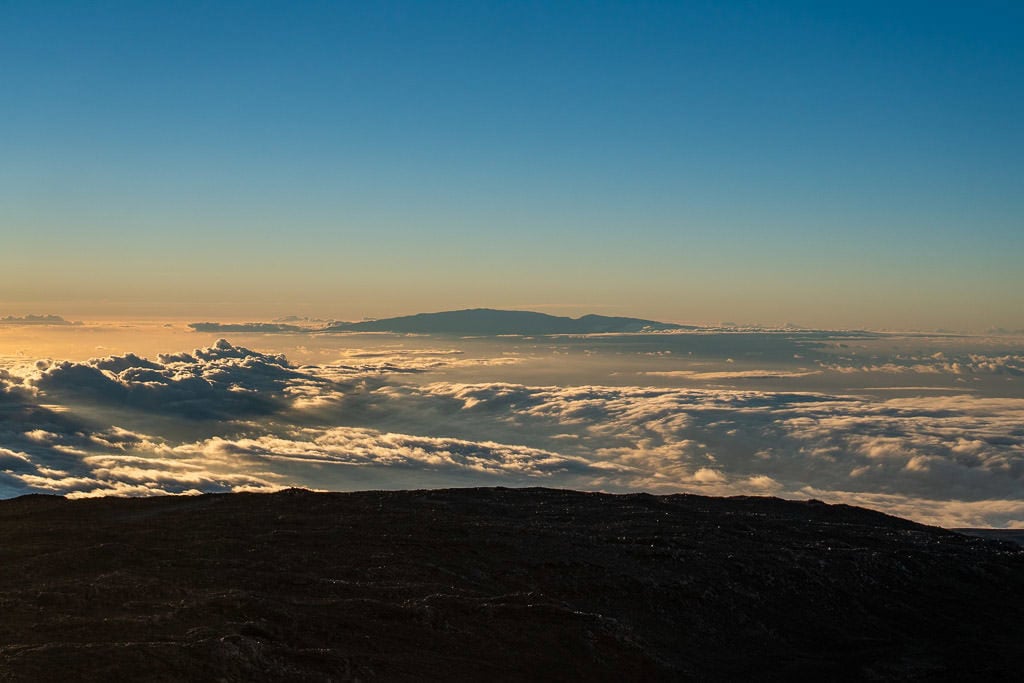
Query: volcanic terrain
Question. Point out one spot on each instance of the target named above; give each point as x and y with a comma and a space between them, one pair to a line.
506, 584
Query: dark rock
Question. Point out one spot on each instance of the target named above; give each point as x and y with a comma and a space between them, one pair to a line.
474, 584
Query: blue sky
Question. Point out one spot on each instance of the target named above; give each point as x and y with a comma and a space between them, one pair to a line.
850, 164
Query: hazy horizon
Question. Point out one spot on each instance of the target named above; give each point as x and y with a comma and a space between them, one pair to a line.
206, 314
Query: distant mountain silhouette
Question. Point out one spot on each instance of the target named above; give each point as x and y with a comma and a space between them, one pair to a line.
488, 322
36, 320
265, 328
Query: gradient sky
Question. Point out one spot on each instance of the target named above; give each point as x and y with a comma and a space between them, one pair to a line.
834, 164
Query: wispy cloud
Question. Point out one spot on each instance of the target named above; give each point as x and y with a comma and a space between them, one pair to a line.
734, 374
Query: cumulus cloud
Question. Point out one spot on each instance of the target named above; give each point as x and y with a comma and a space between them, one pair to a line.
139, 465
41, 446
219, 382
963, 446
368, 447
54, 449
938, 363
75, 428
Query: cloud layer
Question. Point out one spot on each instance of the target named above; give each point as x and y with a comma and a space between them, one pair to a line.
226, 417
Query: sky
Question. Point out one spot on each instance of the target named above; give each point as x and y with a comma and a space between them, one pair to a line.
849, 165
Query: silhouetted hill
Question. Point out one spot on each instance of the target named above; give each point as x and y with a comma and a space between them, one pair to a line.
497, 584
35, 320
488, 322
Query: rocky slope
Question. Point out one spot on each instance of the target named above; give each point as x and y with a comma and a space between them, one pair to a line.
479, 584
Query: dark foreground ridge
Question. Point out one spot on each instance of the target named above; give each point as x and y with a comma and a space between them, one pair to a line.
479, 584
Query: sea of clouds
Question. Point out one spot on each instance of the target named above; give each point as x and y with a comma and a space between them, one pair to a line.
230, 418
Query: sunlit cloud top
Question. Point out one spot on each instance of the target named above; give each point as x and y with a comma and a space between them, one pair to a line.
928, 428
